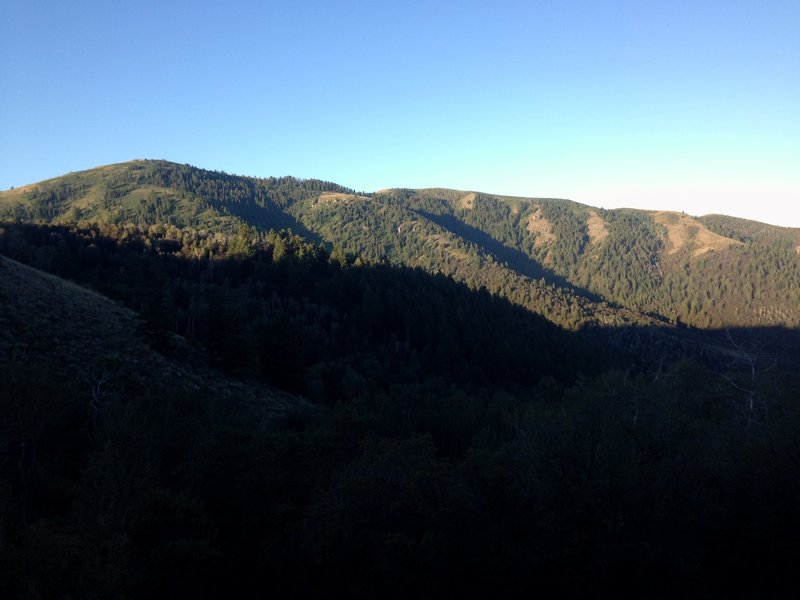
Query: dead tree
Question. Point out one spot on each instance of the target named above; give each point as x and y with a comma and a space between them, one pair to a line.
753, 362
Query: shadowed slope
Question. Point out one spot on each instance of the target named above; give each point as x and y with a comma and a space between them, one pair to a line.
51, 324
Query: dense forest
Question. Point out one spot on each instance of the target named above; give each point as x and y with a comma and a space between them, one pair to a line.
410, 392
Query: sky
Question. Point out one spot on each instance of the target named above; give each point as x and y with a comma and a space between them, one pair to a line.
689, 106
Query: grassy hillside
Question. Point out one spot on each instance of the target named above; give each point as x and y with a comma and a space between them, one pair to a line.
52, 329
159, 192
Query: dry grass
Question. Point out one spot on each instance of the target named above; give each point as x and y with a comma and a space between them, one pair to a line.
339, 198
541, 228
444, 241
16, 196
596, 227
467, 201
683, 230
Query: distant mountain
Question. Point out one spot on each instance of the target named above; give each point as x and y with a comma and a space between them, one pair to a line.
573, 263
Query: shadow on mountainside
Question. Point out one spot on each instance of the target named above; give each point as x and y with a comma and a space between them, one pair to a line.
472, 446
265, 316
515, 259
266, 218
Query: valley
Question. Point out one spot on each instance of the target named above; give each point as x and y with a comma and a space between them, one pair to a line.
214, 383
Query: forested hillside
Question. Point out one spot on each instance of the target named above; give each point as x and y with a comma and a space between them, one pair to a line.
666, 265
574, 264
412, 392
456, 442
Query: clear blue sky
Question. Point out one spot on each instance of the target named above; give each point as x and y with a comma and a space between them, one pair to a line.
690, 106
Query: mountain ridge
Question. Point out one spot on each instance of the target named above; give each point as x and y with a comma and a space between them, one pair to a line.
10, 194
576, 264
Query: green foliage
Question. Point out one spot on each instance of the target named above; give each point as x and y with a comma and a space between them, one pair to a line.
459, 444
286, 307
752, 231
627, 269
